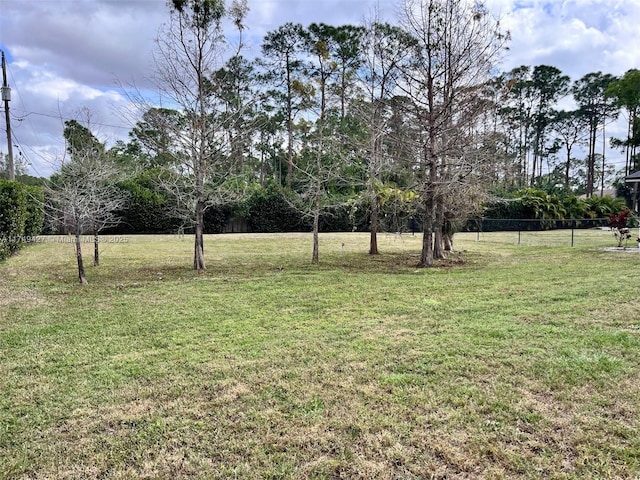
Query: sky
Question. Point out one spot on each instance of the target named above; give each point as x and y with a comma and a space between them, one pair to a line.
69, 57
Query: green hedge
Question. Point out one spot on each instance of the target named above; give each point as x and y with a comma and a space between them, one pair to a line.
265, 210
216, 218
34, 222
270, 210
147, 209
21, 215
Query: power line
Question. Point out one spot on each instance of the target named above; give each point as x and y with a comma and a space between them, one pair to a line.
59, 117
21, 150
24, 108
28, 113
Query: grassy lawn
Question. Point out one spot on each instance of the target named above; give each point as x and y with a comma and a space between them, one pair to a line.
504, 362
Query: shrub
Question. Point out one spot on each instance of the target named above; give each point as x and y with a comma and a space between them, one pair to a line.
13, 214
601, 207
34, 220
550, 210
147, 209
217, 217
619, 226
270, 210
21, 215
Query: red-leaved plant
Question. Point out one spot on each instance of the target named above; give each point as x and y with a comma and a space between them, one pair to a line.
618, 224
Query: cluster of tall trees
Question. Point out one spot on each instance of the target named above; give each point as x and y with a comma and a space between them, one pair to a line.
411, 112
544, 139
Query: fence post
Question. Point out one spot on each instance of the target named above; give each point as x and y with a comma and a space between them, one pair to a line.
519, 230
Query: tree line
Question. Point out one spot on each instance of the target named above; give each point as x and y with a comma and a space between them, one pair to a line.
404, 120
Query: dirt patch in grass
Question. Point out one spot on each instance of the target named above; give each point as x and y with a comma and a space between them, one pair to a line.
13, 293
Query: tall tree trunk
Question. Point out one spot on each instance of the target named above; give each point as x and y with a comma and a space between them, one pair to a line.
316, 228
198, 251
289, 127
448, 241
567, 168
96, 249
81, 275
426, 256
604, 146
343, 89
627, 148
373, 239
536, 168
591, 158
263, 166
316, 208
438, 236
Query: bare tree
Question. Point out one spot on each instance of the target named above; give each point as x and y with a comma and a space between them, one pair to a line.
84, 196
191, 48
328, 162
383, 48
318, 176
457, 44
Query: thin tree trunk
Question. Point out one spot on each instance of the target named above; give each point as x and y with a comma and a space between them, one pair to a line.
426, 256
567, 169
627, 148
81, 275
535, 165
316, 227
591, 159
438, 238
316, 207
522, 173
604, 145
373, 241
96, 249
198, 251
289, 128
262, 173
448, 242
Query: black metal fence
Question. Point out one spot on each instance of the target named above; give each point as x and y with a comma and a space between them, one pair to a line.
567, 232
520, 224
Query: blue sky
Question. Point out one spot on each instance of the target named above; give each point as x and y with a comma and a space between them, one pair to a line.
68, 56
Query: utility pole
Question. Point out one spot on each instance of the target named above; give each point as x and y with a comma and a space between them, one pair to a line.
6, 97
604, 146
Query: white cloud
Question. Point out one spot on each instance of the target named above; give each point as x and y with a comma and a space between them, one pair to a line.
41, 102
69, 54
577, 36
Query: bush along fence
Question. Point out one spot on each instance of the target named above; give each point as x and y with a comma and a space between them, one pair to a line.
273, 209
21, 215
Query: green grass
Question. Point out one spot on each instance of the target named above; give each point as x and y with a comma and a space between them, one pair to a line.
505, 361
